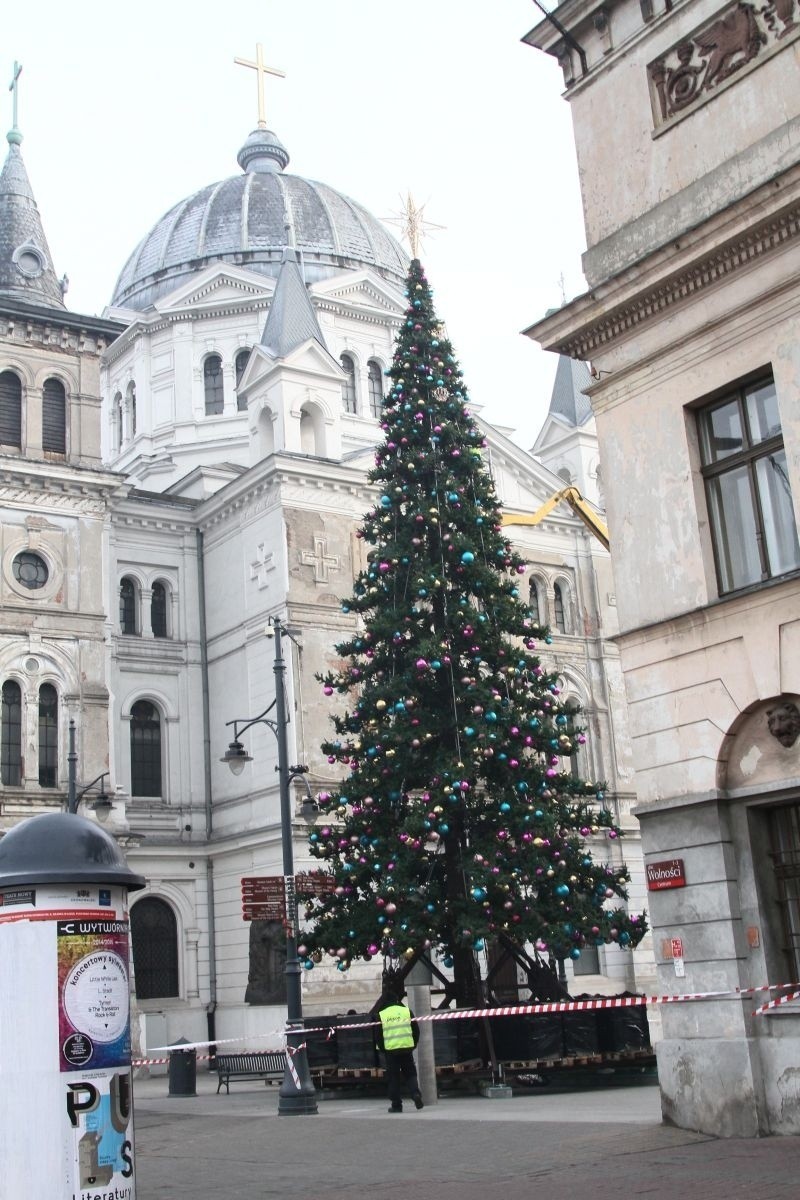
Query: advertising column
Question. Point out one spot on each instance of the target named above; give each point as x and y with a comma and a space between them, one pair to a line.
66, 1105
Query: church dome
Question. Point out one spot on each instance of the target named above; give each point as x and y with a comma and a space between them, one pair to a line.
248, 220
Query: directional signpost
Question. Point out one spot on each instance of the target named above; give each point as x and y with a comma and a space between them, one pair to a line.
264, 898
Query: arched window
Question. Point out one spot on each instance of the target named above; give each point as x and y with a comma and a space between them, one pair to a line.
10, 410
54, 417
145, 749
158, 611
349, 383
533, 603
375, 383
242, 359
212, 383
127, 607
11, 735
119, 427
154, 943
565, 474
132, 408
48, 736
559, 608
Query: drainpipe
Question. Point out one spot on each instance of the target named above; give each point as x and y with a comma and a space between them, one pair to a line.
212, 931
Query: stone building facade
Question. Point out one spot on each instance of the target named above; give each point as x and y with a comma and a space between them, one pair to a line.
686, 119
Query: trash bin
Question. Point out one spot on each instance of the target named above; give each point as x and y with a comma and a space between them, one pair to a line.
182, 1070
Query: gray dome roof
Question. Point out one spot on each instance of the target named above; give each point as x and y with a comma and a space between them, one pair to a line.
248, 220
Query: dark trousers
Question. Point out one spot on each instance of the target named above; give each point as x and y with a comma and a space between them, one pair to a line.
399, 1067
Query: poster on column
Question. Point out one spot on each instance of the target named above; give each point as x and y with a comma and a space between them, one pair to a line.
95, 1056
93, 994
99, 1136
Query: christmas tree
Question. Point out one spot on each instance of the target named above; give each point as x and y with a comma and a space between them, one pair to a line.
457, 823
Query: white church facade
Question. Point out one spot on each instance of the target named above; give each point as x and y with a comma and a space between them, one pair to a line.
200, 468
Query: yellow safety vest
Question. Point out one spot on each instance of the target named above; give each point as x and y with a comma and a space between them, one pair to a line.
396, 1027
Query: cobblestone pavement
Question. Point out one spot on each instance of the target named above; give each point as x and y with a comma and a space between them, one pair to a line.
564, 1145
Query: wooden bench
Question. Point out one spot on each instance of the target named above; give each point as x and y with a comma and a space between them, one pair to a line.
267, 1066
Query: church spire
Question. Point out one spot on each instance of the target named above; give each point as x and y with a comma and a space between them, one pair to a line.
26, 270
291, 319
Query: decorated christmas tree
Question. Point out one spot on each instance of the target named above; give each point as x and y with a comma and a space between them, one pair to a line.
458, 822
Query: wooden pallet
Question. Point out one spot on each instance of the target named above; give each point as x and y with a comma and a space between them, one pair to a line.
460, 1068
359, 1072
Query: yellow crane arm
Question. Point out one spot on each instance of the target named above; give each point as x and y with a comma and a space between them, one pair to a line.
579, 506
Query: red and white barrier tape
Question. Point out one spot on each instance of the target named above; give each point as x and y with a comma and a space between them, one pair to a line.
512, 1010
776, 1003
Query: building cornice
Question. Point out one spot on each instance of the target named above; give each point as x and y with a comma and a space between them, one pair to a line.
615, 308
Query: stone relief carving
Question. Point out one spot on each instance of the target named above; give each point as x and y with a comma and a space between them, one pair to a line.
700, 63
783, 722
266, 981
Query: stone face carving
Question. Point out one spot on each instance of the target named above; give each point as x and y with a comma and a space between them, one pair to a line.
783, 722
266, 981
700, 63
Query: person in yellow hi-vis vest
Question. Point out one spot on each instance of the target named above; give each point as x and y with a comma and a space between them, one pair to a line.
396, 1035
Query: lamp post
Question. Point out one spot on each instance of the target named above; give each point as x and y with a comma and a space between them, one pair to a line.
296, 1096
102, 805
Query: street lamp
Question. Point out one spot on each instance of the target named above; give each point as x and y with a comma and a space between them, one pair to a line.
102, 804
296, 1096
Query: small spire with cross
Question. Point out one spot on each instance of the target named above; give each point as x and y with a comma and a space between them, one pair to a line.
413, 225
14, 136
261, 70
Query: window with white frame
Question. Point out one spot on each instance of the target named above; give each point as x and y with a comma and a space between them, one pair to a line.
11, 734
213, 386
154, 944
241, 361
747, 487
48, 736
128, 596
349, 383
560, 607
145, 749
159, 601
375, 388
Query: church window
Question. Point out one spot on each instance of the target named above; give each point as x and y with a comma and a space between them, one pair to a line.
10, 410
349, 383
565, 474
559, 608
127, 607
533, 603
154, 943
158, 611
145, 749
747, 487
11, 735
375, 381
132, 408
588, 963
48, 736
119, 428
30, 570
54, 417
212, 383
242, 359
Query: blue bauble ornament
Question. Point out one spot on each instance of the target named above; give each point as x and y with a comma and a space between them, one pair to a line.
447, 960
467, 557
478, 944
575, 953
505, 807
562, 890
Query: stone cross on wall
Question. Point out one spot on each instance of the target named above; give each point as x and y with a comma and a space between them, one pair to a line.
262, 565
320, 560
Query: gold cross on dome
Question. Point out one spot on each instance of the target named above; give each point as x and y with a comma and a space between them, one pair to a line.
413, 224
261, 71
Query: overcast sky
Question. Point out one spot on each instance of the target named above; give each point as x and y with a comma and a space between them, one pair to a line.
125, 110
